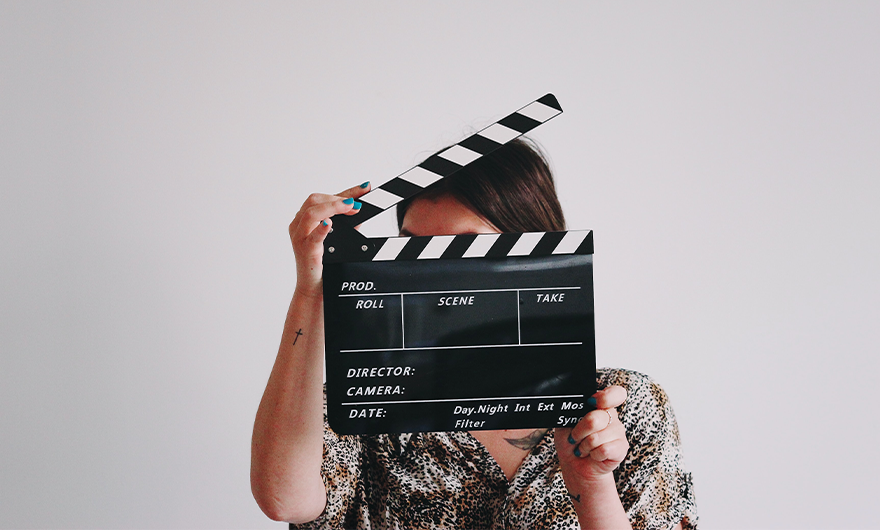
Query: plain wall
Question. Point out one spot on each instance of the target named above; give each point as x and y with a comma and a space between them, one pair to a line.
152, 154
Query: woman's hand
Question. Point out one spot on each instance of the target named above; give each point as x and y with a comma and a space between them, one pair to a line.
309, 228
597, 444
588, 454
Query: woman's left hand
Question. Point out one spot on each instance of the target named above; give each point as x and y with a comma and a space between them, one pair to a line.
597, 444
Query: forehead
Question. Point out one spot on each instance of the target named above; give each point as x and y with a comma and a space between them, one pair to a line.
443, 215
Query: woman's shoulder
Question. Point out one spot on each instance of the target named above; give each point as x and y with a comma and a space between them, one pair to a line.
646, 401
655, 487
606, 377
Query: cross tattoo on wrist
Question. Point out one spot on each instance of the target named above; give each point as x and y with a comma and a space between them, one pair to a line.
298, 333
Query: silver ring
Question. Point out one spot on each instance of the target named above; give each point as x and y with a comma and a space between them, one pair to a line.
610, 419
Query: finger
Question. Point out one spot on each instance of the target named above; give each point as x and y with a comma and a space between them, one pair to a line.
318, 198
356, 191
613, 432
320, 232
594, 422
318, 204
614, 450
564, 440
355, 205
317, 208
308, 238
353, 193
609, 398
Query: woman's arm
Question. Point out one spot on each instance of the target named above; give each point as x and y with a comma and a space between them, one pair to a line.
653, 488
286, 447
287, 444
588, 454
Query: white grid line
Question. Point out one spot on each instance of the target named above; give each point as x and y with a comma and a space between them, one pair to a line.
467, 347
564, 396
465, 291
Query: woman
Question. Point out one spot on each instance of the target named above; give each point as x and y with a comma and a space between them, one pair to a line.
619, 467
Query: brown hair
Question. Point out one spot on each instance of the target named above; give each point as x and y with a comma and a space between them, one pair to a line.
511, 188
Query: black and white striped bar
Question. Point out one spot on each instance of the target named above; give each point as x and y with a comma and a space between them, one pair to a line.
475, 246
452, 159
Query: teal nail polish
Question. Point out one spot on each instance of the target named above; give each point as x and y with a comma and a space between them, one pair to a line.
357, 205
591, 403
348, 201
571, 440
577, 452
325, 223
365, 184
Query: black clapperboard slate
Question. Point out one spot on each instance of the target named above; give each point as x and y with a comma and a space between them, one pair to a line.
466, 332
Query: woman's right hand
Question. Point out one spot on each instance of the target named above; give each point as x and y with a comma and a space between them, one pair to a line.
309, 228
287, 445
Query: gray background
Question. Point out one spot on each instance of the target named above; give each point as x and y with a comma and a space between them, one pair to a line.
152, 155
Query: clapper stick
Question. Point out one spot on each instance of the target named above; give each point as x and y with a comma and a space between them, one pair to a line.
457, 332
346, 243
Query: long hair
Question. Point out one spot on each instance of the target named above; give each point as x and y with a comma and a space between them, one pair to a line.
511, 188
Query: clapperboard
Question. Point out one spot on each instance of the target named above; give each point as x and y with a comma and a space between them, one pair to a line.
465, 332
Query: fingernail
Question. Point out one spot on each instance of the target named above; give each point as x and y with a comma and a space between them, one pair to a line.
325, 223
348, 201
357, 205
577, 452
591, 403
571, 440
365, 184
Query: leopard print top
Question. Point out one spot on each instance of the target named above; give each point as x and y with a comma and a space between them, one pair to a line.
449, 480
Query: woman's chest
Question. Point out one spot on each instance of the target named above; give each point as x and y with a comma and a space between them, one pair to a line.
453, 481
509, 449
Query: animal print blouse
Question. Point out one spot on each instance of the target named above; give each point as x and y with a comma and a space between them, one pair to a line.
449, 480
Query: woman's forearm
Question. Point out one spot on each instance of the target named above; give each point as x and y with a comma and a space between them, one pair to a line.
598, 504
286, 448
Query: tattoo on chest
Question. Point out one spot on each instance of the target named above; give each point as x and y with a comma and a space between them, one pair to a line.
298, 333
529, 441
